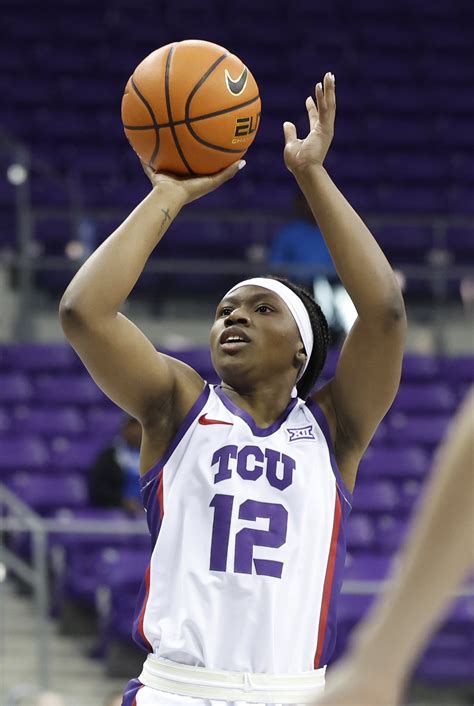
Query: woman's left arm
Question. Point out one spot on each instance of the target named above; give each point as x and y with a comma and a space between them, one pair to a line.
368, 372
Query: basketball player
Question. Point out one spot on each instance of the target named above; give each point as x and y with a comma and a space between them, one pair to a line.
247, 484
437, 557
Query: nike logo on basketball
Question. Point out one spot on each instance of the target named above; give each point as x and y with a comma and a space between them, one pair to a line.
204, 420
236, 86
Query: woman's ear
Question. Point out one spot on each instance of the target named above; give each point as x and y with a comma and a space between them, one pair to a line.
300, 358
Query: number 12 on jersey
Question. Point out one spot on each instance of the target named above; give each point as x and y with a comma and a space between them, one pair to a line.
246, 539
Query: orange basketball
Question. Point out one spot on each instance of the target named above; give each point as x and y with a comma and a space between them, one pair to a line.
191, 107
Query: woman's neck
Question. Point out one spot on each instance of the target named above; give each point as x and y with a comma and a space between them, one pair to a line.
265, 404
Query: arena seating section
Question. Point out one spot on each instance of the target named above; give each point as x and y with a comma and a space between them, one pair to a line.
53, 420
404, 74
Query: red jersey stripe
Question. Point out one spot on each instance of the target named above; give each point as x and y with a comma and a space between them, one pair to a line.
159, 494
327, 590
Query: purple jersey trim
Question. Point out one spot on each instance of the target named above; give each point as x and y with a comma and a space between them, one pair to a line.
185, 424
256, 430
130, 693
320, 417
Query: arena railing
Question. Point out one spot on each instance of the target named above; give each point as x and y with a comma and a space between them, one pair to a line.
16, 516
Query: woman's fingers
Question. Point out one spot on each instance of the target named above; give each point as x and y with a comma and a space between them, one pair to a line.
289, 131
205, 184
330, 90
320, 100
228, 172
313, 115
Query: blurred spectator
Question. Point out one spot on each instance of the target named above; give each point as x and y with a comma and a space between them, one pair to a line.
300, 243
114, 477
113, 700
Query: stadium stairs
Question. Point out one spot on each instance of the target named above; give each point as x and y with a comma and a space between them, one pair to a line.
76, 677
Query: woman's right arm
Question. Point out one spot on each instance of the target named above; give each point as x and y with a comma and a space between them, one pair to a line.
119, 357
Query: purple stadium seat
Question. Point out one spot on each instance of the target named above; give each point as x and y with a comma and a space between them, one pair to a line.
461, 614
36, 358
455, 670
46, 193
126, 566
360, 533
407, 240
81, 561
380, 435
458, 369
417, 198
455, 132
105, 420
49, 422
67, 454
116, 615
367, 567
4, 349
398, 463
428, 398
116, 596
353, 606
15, 387
460, 241
390, 533
410, 493
197, 358
355, 165
78, 389
419, 368
350, 610
87, 568
5, 422
377, 497
26, 453
361, 198
417, 429
450, 641
415, 167
459, 200
66, 517
398, 131
462, 168
47, 492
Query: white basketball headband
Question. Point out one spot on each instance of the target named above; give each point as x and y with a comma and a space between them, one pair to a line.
294, 304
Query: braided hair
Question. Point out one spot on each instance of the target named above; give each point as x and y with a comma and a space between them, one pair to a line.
320, 329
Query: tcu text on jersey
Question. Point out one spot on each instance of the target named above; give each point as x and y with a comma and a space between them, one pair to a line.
250, 462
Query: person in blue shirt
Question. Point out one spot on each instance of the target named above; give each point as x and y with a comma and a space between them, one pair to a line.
114, 477
300, 242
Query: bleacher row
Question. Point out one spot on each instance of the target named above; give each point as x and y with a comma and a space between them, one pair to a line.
54, 419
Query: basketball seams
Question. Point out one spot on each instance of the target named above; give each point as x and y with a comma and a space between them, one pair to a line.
170, 115
152, 115
196, 119
188, 105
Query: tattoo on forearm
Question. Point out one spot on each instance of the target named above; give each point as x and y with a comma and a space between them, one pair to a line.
166, 217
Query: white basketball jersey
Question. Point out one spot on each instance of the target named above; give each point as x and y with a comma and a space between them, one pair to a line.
247, 528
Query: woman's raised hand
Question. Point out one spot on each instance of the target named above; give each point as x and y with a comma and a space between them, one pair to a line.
299, 154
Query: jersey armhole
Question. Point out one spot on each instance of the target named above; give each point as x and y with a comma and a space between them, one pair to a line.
185, 424
320, 418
